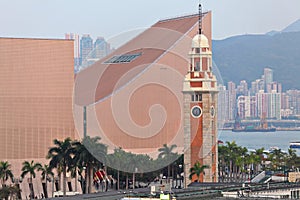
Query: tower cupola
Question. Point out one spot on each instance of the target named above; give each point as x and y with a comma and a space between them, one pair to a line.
200, 41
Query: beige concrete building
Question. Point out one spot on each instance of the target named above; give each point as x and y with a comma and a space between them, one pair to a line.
36, 85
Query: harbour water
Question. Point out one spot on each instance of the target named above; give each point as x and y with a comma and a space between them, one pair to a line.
256, 140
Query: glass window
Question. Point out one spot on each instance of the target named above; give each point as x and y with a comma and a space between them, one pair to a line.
126, 58
196, 96
197, 67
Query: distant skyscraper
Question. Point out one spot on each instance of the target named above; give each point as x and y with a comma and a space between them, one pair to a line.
275, 105
269, 104
75, 37
222, 105
231, 100
294, 101
101, 48
256, 86
86, 46
285, 101
268, 79
275, 86
244, 106
262, 101
253, 107
242, 89
279, 88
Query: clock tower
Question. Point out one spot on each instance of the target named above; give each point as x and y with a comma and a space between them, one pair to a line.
200, 106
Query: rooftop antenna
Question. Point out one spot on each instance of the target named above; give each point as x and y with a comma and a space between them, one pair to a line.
200, 19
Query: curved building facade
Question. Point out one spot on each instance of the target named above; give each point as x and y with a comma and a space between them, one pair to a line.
133, 97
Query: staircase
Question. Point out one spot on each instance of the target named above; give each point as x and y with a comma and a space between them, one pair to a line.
259, 177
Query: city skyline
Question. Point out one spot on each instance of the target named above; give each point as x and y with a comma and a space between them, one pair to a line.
262, 97
51, 19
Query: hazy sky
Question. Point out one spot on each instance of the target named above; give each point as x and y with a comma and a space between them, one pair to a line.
53, 18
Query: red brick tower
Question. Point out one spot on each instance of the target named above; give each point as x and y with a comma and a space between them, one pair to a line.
200, 106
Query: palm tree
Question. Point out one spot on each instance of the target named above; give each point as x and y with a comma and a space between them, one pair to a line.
232, 161
197, 170
291, 158
258, 158
118, 159
84, 156
232, 149
277, 158
61, 156
9, 192
166, 153
222, 164
5, 172
46, 173
30, 168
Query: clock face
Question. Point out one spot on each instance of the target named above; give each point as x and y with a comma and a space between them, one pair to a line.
196, 111
212, 111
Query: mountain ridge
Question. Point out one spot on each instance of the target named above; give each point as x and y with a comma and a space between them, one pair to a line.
243, 57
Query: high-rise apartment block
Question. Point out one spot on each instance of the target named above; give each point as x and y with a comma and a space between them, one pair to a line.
256, 86
242, 89
268, 79
222, 105
101, 48
294, 101
269, 105
86, 47
231, 100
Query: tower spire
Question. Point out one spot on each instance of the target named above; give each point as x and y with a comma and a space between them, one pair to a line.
200, 18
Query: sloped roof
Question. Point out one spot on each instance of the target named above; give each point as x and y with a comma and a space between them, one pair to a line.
101, 79
137, 105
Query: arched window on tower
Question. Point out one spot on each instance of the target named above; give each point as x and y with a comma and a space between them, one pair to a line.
197, 96
197, 67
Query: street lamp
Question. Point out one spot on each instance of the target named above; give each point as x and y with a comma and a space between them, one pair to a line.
249, 175
180, 177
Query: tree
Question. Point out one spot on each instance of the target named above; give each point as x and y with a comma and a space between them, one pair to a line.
30, 168
292, 158
167, 154
11, 192
118, 159
5, 172
197, 170
46, 173
232, 161
231, 156
277, 158
84, 156
61, 156
222, 164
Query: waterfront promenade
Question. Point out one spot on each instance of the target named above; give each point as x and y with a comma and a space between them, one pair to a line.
207, 191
